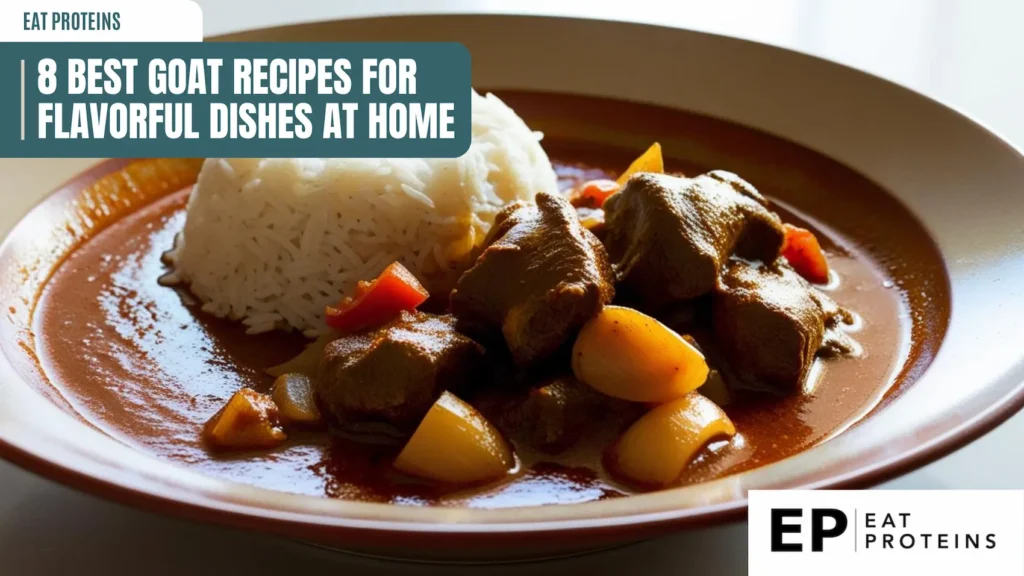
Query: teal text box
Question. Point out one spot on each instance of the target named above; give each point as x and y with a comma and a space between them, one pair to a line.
441, 75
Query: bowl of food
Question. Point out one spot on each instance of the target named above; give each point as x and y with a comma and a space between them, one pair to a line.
670, 269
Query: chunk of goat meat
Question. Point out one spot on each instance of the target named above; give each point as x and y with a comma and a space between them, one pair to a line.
541, 275
395, 373
669, 237
770, 324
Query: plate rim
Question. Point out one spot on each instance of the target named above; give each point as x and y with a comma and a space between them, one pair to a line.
254, 517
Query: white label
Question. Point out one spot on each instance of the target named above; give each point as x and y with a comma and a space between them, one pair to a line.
875, 532
100, 21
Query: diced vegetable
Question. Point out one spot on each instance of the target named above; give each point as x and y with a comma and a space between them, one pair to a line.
593, 193
649, 161
715, 389
376, 302
249, 420
657, 447
804, 253
293, 394
462, 247
627, 354
591, 218
455, 444
307, 361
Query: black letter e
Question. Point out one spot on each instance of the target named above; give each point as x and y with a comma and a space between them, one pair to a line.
779, 528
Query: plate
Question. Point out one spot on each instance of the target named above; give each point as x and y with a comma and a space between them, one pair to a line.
958, 178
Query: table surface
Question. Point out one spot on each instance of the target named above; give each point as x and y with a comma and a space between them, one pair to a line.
965, 53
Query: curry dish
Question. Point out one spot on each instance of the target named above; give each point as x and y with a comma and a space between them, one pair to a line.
718, 302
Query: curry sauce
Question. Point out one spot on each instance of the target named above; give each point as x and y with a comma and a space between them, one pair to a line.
143, 363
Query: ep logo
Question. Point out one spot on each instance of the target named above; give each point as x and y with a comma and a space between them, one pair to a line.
787, 527
858, 532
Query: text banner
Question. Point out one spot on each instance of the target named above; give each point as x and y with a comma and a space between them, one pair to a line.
133, 100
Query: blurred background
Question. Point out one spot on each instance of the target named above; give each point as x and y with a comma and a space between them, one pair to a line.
968, 54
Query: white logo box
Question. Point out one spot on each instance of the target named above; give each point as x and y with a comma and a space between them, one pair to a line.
905, 532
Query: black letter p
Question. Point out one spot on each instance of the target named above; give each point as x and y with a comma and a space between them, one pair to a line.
818, 532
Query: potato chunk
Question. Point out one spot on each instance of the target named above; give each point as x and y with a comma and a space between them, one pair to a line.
657, 447
455, 444
629, 355
293, 394
308, 360
248, 421
649, 161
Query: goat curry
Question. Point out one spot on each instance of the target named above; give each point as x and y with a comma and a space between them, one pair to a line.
652, 325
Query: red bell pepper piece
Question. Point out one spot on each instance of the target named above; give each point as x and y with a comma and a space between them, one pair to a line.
377, 302
593, 193
804, 253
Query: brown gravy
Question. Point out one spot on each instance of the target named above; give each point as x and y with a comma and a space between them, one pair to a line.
141, 362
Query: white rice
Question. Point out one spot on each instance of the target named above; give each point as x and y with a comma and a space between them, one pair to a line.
271, 242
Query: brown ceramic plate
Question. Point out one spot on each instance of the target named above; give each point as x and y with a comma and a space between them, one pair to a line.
960, 374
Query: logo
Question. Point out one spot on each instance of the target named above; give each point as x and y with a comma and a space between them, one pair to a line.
818, 530
799, 532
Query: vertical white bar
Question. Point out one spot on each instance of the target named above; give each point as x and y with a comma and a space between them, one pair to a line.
22, 99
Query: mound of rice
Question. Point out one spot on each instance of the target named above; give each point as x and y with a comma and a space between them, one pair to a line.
271, 242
